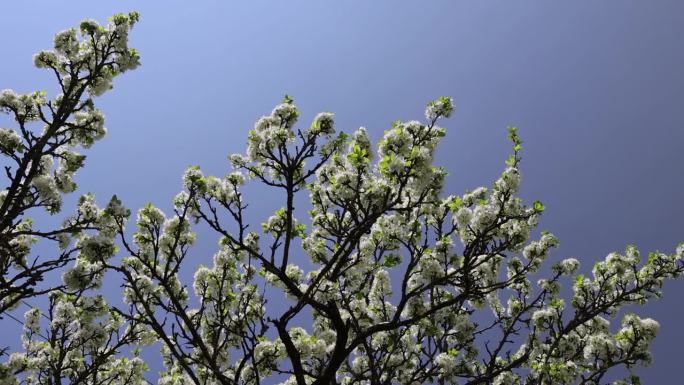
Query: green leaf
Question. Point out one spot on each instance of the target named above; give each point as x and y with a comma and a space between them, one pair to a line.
88, 27
512, 132
510, 162
538, 207
358, 157
456, 204
385, 162
391, 260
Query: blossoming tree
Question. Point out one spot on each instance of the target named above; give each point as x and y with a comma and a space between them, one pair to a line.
75, 337
404, 285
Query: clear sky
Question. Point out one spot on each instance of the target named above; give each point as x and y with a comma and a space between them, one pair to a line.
595, 87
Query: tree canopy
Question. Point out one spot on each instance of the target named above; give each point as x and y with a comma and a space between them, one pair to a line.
385, 280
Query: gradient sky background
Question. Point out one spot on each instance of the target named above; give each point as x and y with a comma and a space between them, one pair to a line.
595, 87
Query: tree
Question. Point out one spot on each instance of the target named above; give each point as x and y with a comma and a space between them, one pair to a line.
407, 286
81, 337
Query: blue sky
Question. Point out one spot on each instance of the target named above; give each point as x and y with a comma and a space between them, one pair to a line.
596, 89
